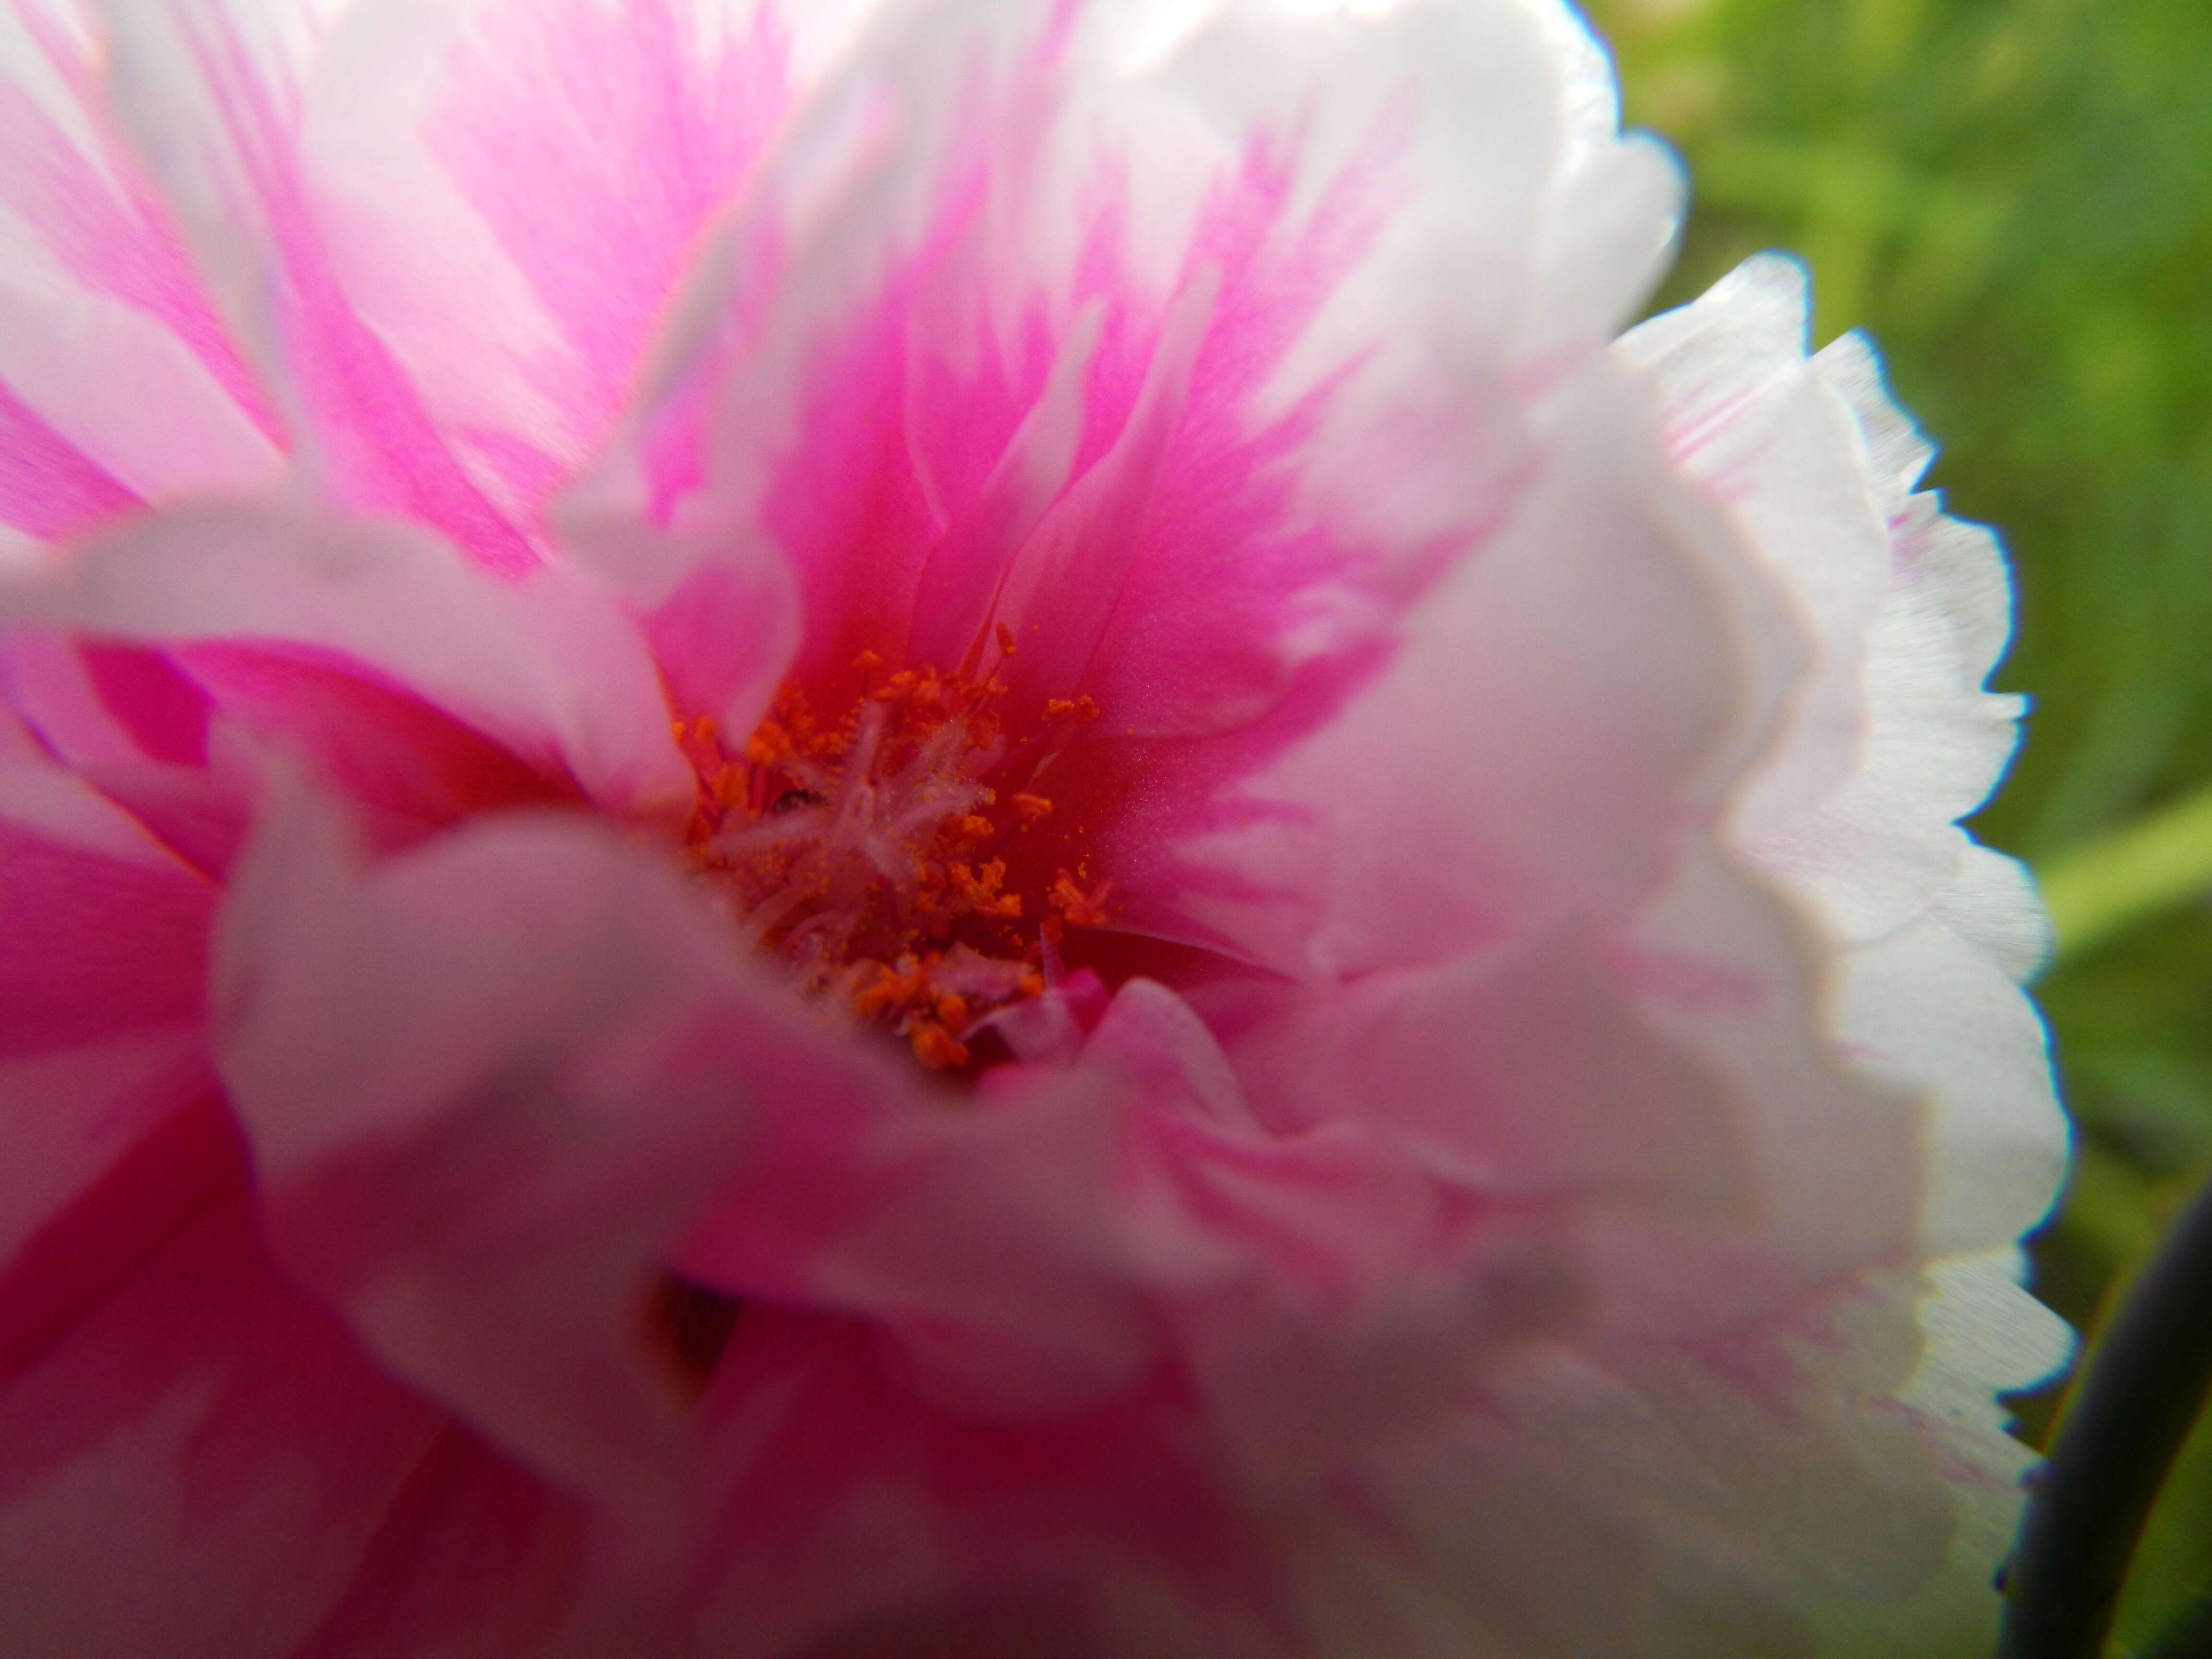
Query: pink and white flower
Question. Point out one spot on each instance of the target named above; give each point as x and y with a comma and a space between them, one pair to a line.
843, 829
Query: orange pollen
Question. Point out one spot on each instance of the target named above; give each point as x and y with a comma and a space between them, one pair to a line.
937, 1047
1078, 908
857, 851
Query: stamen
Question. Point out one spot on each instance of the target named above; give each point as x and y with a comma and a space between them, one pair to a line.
858, 853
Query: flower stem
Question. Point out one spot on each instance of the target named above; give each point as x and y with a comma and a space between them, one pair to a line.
2143, 1389
2095, 890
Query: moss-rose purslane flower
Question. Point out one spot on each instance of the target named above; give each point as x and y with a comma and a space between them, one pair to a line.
866, 828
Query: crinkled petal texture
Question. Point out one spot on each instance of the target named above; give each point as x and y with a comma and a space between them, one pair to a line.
1518, 1146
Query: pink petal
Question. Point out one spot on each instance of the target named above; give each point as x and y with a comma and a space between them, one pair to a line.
549, 667
187, 1434
100, 296
632, 124
552, 1058
47, 486
1215, 296
254, 1487
127, 722
411, 768
210, 95
857, 1515
103, 947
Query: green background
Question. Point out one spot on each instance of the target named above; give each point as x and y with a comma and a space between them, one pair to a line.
2014, 197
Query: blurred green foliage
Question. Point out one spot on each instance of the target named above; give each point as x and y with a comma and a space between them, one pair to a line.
2014, 197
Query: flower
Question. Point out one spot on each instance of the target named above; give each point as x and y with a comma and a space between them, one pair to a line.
949, 828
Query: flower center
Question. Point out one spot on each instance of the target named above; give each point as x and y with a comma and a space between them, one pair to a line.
868, 853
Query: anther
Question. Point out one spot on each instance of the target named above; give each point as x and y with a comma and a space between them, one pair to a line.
1081, 909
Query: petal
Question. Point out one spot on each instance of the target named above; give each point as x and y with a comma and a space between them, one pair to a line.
1746, 415
995, 1247
1893, 738
859, 1517
1986, 1337
1087, 384
125, 720
549, 668
562, 163
103, 950
1927, 1007
1749, 1458
195, 1456
550, 1056
169, 1412
211, 96
1562, 700
99, 297
1733, 977
1992, 902
563, 160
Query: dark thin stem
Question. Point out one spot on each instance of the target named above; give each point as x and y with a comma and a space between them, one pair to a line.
2142, 1390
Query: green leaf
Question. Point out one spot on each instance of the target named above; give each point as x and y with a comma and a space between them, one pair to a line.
2096, 889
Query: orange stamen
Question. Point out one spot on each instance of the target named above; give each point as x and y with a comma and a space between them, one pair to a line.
1059, 708
935, 1047
851, 848
1081, 909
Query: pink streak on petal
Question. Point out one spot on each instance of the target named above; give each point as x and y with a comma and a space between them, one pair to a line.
118, 245
544, 665
474, 1556
825, 1433
1691, 983
388, 454
87, 721
848, 506
86, 1106
724, 638
163, 711
92, 946
185, 1164
202, 1441
414, 767
369, 419
549, 1054
1067, 581
48, 488
628, 136
1192, 545
960, 583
